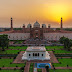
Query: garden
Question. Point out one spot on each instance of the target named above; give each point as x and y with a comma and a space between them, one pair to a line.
64, 62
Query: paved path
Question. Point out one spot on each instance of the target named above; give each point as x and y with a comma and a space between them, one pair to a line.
10, 67
19, 58
53, 58
26, 69
43, 70
16, 49
64, 57
63, 67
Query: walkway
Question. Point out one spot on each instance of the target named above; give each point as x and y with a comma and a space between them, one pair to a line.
18, 58
43, 70
26, 69
9, 68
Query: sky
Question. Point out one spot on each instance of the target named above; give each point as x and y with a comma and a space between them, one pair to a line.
30, 11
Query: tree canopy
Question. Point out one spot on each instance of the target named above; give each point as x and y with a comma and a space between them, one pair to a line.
4, 41
66, 41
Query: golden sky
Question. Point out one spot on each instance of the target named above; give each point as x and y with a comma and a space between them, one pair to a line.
44, 11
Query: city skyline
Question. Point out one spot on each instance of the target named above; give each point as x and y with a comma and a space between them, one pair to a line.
45, 12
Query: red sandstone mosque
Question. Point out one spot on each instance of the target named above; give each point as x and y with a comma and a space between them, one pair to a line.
37, 32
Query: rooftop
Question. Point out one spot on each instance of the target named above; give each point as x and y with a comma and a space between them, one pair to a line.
36, 48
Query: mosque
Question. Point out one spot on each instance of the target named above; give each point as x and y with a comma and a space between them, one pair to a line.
36, 31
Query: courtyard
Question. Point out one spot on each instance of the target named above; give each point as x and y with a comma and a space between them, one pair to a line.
10, 60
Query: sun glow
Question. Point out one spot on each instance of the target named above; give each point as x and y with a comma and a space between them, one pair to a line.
55, 12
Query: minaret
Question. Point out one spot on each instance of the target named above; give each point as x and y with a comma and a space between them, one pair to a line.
30, 31
61, 24
11, 24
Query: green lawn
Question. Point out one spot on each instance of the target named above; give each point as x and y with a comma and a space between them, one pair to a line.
6, 63
39, 70
10, 71
31, 67
64, 62
9, 52
17, 47
54, 47
62, 51
61, 70
57, 47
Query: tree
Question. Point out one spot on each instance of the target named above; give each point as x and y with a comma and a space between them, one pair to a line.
67, 42
62, 39
4, 41
47, 68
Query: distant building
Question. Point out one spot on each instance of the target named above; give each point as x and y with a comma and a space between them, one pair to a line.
37, 32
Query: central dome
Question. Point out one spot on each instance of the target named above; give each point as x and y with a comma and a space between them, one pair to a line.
36, 24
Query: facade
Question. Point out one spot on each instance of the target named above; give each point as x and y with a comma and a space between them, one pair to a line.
36, 53
38, 32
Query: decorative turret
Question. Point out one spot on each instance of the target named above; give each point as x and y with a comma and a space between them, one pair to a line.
11, 24
28, 26
43, 26
48, 26
23, 26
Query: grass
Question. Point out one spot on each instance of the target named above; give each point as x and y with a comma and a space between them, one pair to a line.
6, 63
62, 51
9, 52
13, 51
57, 47
61, 70
10, 71
63, 63
17, 47
54, 47
31, 67
39, 70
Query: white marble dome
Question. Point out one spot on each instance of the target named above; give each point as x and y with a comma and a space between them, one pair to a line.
28, 26
36, 24
44, 26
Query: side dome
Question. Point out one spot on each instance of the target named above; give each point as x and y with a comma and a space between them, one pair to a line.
36, 24
44, 26
28, 26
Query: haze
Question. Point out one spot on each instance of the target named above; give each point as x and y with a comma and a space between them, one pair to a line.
28, 11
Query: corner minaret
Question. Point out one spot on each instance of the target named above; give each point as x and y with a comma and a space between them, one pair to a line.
11, 24
61, 23
49, 26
